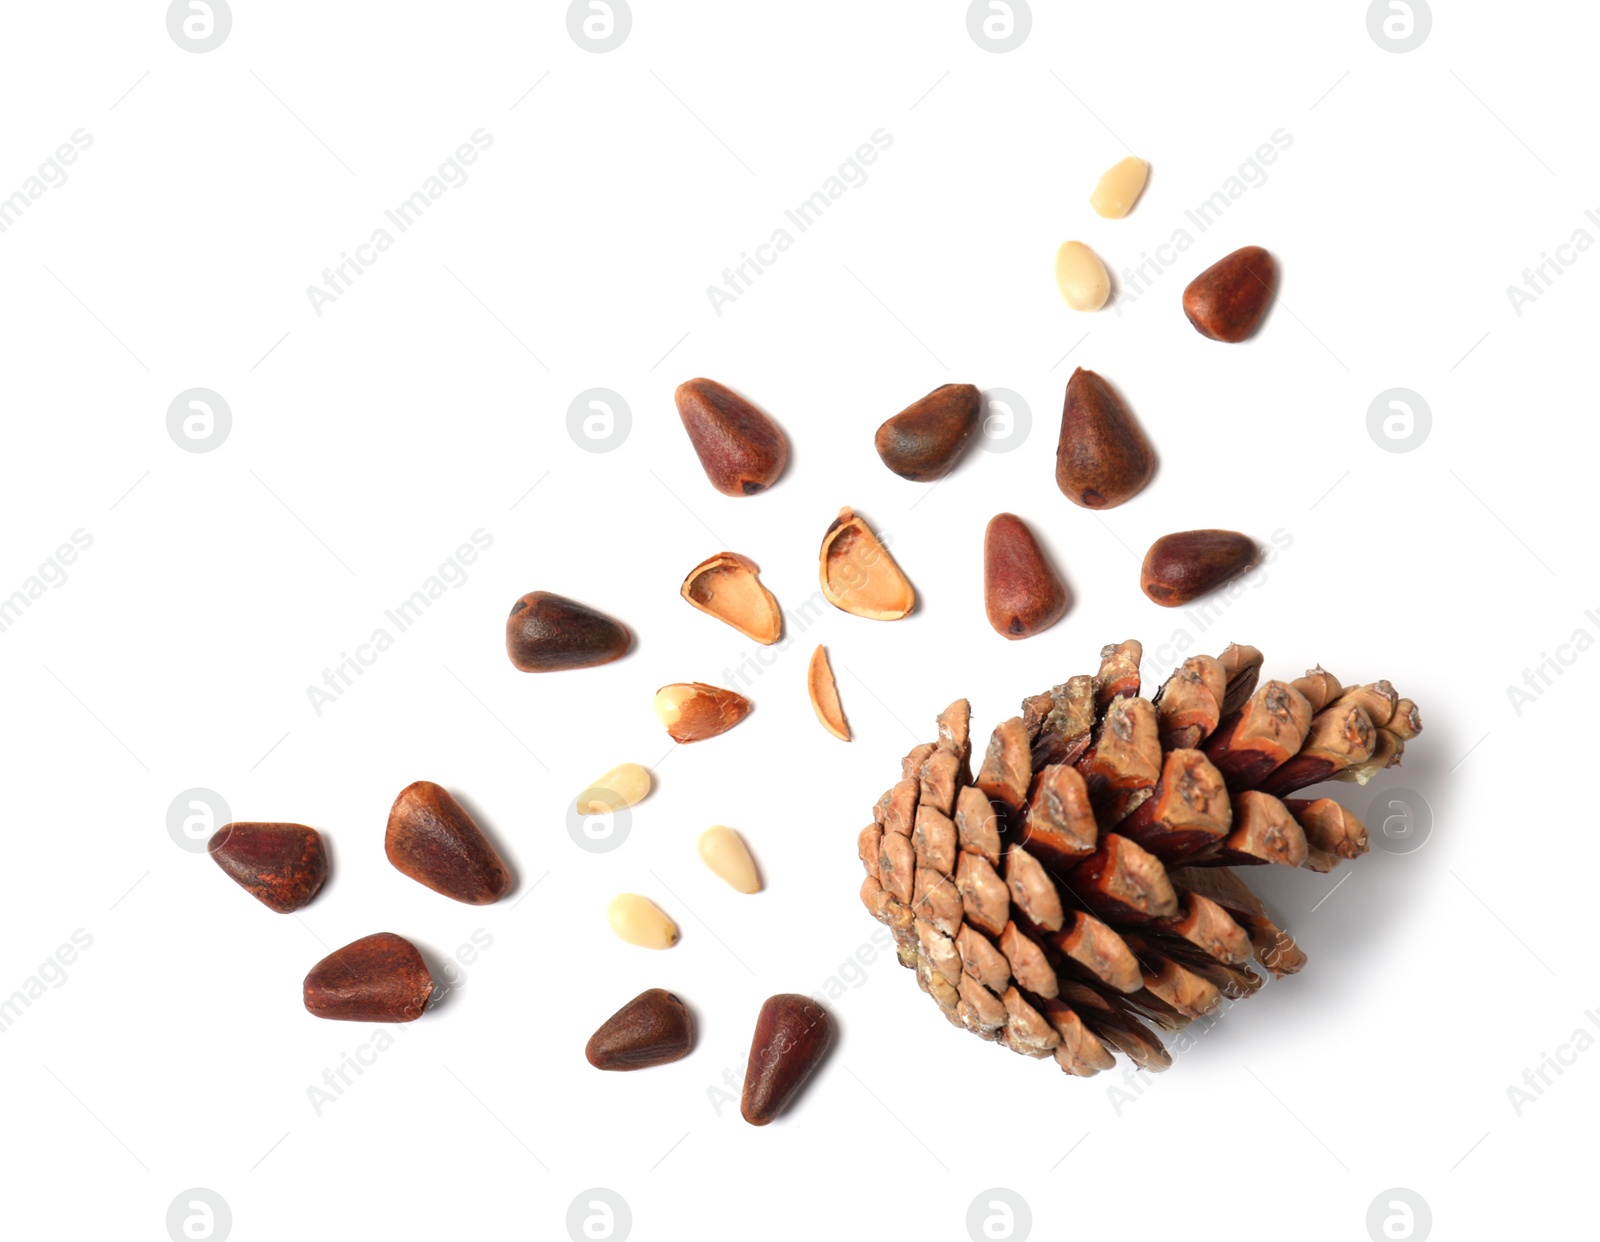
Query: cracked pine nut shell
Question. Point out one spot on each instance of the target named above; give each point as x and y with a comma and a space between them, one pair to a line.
1102, 457
1181, 568
925, 440
1023, 594
741, 450
624, 785
723, 850
1119, 188
824, 691
1081, 277
858, 574
546, 633
638, 920
692, 711
1228, 300
727, 586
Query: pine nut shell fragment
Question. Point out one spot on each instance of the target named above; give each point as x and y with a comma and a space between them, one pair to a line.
723, 850
693, 711
858, 574
639, 921
824, 692
727, 586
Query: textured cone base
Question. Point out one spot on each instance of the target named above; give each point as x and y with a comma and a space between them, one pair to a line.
1080, 893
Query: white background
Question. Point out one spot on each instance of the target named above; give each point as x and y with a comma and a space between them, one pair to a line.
368, 442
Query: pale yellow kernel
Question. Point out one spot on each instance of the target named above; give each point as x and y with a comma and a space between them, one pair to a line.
1119, 188
638, 920
724, 851
1081, 277
625, 785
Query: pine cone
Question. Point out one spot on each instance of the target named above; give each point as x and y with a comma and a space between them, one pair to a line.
1080, 890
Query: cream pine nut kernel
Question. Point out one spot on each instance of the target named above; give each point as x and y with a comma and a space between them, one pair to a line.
638, 920
724, 851
1081, 277
1119, 188
624, 785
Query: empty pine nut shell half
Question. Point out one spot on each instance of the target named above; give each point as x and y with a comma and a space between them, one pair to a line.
727, 586
692, 711
825, 695
858, 574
